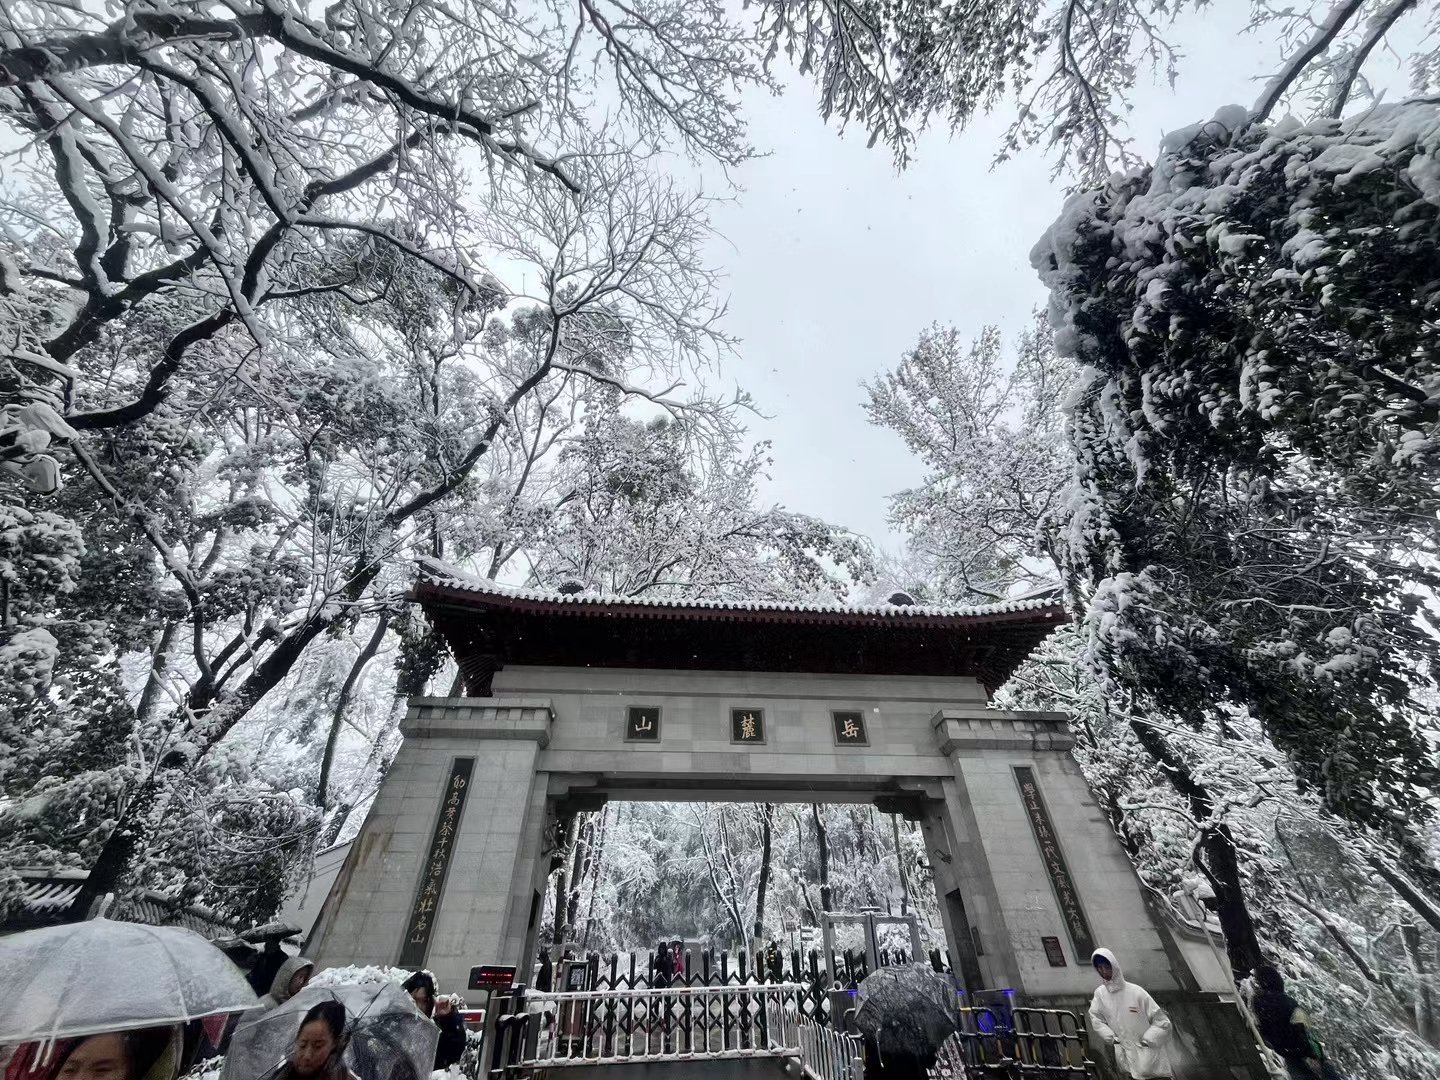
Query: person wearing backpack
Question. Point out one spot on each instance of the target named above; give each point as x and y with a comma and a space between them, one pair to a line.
1286, 1029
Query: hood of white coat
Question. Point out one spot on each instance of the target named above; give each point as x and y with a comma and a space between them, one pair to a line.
1117, 977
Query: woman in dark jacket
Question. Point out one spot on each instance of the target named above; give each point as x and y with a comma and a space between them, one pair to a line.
451, 1046
1286, 1029
443, 1013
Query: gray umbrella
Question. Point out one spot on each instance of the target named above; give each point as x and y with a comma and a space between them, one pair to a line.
908, 1010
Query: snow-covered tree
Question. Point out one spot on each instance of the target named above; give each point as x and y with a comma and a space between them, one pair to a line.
1070, 67
644, 508
281, 400
990, 435
1217, 791
1251, 523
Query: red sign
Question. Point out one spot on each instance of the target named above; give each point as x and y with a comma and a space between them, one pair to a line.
492, 977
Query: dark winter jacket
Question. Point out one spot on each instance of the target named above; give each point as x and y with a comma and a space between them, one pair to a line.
452, 1038
1275, 1017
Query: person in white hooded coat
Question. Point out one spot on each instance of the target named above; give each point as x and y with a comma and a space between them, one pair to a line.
1126, 1018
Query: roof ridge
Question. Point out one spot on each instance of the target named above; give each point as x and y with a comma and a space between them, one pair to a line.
436, 572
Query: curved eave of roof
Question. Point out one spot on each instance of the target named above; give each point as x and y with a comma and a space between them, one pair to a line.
478, 592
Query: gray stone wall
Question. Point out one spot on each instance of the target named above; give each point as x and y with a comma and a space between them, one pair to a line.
553, 732
370, 906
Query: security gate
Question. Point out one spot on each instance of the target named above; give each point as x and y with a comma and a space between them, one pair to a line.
1016, 1044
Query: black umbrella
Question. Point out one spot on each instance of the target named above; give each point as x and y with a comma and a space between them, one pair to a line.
907, 1011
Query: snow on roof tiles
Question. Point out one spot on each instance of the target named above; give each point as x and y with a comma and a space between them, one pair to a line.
435, 573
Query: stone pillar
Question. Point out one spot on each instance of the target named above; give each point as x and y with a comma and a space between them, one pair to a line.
485, 904
969, 906
1033, 866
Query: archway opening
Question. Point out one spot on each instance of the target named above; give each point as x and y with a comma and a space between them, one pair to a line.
733, 878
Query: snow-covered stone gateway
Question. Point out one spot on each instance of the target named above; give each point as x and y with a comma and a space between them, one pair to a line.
576, 699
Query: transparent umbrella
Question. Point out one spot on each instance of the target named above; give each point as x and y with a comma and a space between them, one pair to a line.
88, 977
388, 1037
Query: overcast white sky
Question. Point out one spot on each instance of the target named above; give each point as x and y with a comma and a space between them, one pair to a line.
836, 263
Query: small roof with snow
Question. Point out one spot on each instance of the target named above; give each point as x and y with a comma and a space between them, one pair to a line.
489, 625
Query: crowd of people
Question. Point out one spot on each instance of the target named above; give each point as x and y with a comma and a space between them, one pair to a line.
169, 1051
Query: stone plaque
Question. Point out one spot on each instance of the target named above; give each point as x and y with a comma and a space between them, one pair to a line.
850, 729
1054, 951
1054, 859
642, 724
747, 725
437, 865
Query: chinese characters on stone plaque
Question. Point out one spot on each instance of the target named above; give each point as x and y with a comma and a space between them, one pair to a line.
849, 729
642, 724
437, 863
747, 726
1054, 859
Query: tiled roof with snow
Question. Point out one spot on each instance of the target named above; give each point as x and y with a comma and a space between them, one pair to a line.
441, 575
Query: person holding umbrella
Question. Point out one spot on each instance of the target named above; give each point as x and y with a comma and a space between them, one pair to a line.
111, 999
441, 1009
375, 1027
104, 1000
319, 1046
906, 1014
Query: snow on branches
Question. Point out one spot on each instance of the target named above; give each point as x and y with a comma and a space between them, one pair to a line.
1251, 517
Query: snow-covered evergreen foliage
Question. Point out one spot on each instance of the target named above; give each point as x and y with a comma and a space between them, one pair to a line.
1252, 517
1211, 810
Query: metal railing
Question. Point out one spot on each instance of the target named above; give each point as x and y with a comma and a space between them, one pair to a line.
549, 1030
827, 1054
680, 1023
1015, 1043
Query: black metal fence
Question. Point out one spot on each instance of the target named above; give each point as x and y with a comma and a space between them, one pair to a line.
1016, 1044
708, 968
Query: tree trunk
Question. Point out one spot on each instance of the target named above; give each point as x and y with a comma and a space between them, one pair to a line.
367, 653
579, 864
1421, 904
729, 900
159, 659
900, 865
598, 860
1220, 864
331, 832
822, 846
130, 832
562, 882
1424, 1002
767, 821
